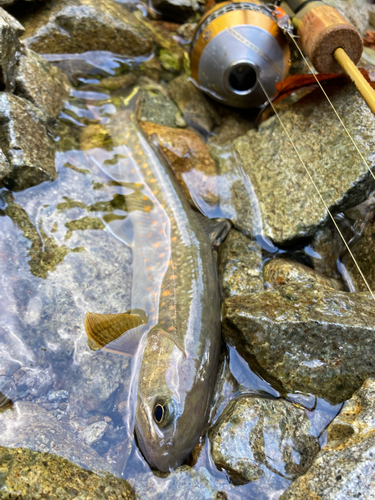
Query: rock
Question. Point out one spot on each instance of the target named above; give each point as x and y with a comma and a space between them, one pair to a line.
284, 272
183, 483
355, 11
31, 426
5, 168
232, 126
69, 26
30, 474
325, 249
41, 83
240, 265
10, 30
155, 106
118, 82
345, 467
197, 111
187, 31
312, 340
35, 382
191, 162
288, 205
263, 440
177, 10
24, 141
94, 432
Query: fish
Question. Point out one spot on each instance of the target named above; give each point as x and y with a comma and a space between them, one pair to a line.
174, 317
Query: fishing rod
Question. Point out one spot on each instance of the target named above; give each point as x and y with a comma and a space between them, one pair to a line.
239, 44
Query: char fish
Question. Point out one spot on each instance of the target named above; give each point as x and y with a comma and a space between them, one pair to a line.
175, 305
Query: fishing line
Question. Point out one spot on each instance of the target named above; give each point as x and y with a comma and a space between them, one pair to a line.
315, 186
332, 106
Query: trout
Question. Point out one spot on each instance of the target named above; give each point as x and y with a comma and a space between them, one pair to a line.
175, 304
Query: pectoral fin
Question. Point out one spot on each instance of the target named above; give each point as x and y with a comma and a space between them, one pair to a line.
103, 329
216, 230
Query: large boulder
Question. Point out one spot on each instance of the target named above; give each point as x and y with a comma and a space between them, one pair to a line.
10, 30
309, 339
85, 25
274, 190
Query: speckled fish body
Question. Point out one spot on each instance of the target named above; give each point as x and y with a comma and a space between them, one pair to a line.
175, 282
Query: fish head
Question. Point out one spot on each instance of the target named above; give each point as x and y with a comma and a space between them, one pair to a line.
172, 409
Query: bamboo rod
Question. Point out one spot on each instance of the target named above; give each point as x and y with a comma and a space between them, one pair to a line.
363, 87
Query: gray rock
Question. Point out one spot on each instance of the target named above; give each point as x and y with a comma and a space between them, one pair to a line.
86, 25
41, 83
94, 432
31, 426
272, 174
284, 272
184, 483
30, 474
345, 467
10, 30
35, 382
24, 141
312, 340
177, 10
240, 265
155, 106
355, 11
263, 440
4, 165
8, 388
197, 111
57, 396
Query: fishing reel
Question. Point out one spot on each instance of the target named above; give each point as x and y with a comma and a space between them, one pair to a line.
235, 45
240, 49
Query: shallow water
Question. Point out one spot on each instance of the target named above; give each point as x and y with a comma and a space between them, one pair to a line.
58, 260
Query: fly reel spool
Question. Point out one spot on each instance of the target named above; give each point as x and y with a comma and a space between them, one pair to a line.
235, 45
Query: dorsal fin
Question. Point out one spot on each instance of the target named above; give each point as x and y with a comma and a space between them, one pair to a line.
103, 329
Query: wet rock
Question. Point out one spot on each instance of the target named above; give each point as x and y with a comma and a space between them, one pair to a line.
5, 168
10, 30
286, 200
187, 31
57, 396
267, 440
41, 83
190, 160
85, 25
25, 143
355, 11
284, 272
30, 474
183, 483
312, 340
232, 126
31, 426
155, 106
240, 265
197, 111
177, 10
345, 467
35, 382
325, 248
8, 388
94, 432
118, 82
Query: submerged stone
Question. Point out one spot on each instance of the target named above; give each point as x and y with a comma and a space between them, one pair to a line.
197, 111
283, 272
287, 202
263, 440
313, 340
25, 142
85, 25
183, 483
31, 474
155, 106
190, 161
345, 467
10, 30
31, 426
41, 83
240, 265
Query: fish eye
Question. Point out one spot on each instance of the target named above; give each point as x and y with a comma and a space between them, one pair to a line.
164, 412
